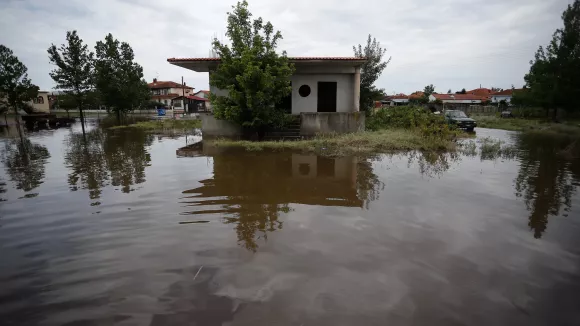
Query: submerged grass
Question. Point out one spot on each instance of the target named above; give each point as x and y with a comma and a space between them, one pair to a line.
527, 125
344, 144
158, 125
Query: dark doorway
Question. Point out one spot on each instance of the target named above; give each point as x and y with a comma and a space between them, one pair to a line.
286, 103
326, 97
325, 166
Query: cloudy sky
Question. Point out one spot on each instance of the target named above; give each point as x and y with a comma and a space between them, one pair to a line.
449, 43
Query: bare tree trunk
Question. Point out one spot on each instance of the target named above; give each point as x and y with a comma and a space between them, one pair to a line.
555, 115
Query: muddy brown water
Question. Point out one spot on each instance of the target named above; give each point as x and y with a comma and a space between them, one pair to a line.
118, 230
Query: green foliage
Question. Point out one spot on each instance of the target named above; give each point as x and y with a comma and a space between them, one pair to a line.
256, 78
411, 117
370, 70
554, 78
74, 69
118, 79
428, 90
15, 87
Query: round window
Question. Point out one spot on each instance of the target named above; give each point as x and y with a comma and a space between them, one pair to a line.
304, 90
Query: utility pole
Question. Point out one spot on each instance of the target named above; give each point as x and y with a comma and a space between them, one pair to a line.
183, 94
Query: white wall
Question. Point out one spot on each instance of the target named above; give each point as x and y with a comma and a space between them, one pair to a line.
344, 92
498, 98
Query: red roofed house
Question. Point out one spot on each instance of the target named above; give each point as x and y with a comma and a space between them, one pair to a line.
193, 104
399, 99
320, 85
480, 92
503, 95
458, 98
165, 91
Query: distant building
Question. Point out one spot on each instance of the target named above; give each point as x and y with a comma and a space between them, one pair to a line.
480, 92
503, 95
202, 93
40, 103
399, 99
193, 104
458, 98
166, 91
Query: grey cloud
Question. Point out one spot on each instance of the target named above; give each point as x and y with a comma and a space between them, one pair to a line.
450, 43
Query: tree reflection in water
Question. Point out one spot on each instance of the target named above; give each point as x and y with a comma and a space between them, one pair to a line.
2, 189
25, 163
103, 157
251, 191
546, 179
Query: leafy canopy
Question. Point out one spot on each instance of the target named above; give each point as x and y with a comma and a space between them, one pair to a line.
255, 77
118, 79
554, 76
15, 87
73, 71
370, 70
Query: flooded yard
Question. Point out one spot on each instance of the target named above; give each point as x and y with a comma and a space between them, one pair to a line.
118, 229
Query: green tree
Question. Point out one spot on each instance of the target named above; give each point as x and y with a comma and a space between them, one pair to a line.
554, 78
449, 91
74, 69
118, 79
370, 70
16, 90
428, 90
463, 91
255, 76
25, 163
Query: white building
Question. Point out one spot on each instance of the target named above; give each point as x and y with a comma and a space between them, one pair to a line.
503, 96
319, 84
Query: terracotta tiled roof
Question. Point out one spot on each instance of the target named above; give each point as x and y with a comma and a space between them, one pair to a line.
507, 92
166, 84
462, 97
417, 94
290, 58
192, 97
480, 91
398, 97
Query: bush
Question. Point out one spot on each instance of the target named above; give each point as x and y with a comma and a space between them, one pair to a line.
410, 117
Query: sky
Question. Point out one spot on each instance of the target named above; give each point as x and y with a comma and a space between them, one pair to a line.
452, 44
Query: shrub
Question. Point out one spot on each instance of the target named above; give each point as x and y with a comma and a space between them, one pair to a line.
410, 117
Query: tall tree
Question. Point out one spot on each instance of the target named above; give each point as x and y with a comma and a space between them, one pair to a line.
554, 78
16, 90
462, 91
256, 77
118, 79
74, 67
449, 91
371, 70
428, 90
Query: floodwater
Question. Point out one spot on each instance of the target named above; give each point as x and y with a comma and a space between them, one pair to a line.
118, 230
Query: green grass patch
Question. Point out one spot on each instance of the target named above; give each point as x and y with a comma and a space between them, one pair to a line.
160, 125
386, 140
528, 125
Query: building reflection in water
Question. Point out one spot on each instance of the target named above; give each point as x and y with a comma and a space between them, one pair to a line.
250, 191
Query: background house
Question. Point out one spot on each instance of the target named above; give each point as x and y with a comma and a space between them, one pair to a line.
166, 91
193, 104
40, 103
399, 99
503, 96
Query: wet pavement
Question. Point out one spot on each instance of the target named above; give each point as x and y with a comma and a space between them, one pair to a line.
117, 229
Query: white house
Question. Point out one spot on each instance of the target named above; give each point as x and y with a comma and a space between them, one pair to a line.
503, 96
319, 84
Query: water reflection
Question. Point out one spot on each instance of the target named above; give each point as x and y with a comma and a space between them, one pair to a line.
252, 191
546, 180
25, 163
105, 156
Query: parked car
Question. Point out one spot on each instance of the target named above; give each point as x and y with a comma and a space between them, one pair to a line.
460, 119
506, 114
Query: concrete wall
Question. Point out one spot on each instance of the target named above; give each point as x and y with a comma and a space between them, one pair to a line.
212, 127
344, 92
329, 122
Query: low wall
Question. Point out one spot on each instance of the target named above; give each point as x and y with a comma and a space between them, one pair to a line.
212, 127
331, 122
